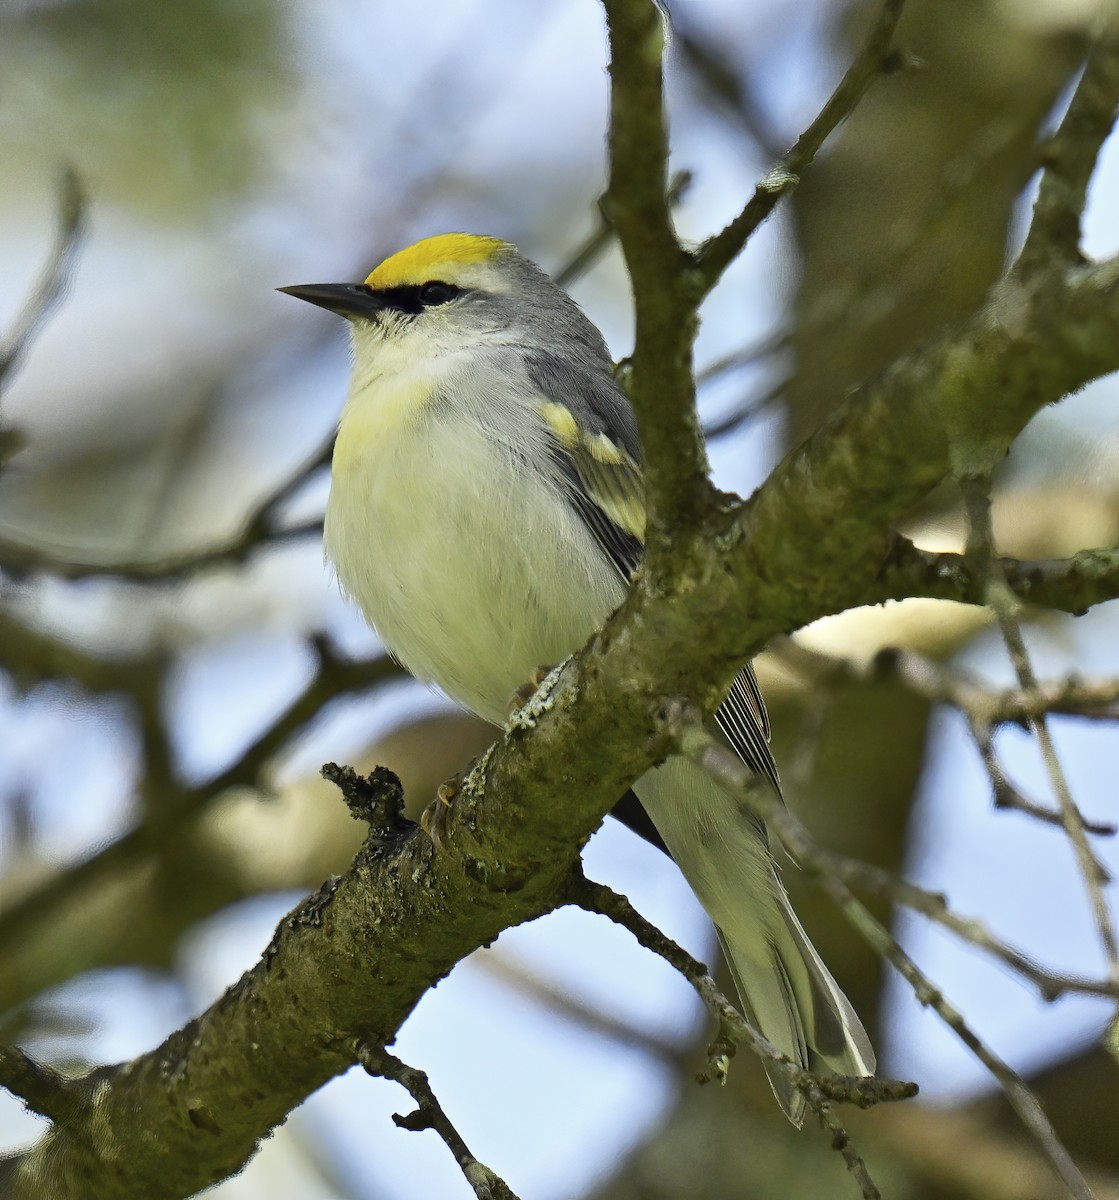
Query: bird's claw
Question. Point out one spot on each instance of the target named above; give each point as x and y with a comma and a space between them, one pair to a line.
522, 695
433, 819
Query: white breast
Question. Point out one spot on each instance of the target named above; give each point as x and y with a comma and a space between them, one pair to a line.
473, 570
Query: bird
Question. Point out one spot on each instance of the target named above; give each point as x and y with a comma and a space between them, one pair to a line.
487, 512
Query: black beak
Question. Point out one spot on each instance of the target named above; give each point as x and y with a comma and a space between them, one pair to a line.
345, 299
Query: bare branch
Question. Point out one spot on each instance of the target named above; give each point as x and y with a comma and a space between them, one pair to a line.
660, 381
876, 57
819, 1089
1070, 157
692, 739
981, 550
985, 710
862, 1091
55, 279
429, 1114
259, 531
1067, 584
1094, 698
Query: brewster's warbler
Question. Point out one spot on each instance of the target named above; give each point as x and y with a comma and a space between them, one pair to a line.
486, 511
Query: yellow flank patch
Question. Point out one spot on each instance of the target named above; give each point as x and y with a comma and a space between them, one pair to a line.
559, 420
437, 257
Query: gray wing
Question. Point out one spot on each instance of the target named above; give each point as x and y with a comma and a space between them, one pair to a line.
597, 449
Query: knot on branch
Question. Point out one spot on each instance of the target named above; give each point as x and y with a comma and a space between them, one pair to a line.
376, 798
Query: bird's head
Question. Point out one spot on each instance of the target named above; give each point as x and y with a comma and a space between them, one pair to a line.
454, 292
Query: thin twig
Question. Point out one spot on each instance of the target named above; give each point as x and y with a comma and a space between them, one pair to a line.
259, 531
429, 1114
820, 1090
698, 745
934, 905
55, 279
597, 242
875, 57
976, 492
864, 1091
866, 877
1094, 699
985, 710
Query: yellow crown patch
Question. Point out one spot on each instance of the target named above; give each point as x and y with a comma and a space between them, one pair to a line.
436, 257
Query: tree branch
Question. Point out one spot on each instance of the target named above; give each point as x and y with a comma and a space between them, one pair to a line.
1071, 155
981, 549
429, 1114
660, 380
41, 1088
875, 58
52, 284
819, 1089
1092, 698
694, 742
1067, 584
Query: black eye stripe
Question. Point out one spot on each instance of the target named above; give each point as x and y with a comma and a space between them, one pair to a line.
414, 298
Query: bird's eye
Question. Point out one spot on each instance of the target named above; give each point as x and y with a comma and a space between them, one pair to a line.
437, 293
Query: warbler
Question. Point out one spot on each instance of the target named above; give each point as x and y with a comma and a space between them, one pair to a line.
486, 512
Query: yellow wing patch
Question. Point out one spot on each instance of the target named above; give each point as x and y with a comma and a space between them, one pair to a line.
438, 257
617, 489
560, 421
609, 477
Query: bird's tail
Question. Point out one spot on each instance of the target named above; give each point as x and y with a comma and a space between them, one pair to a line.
786, 991
797, 1005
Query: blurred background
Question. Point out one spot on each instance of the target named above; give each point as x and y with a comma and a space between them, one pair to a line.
175, 662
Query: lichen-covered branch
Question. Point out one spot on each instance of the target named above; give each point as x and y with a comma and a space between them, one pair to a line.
40, 1087
1070, 585
1071, 155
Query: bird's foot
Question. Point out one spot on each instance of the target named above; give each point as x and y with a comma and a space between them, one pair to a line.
526, 691
433, 819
